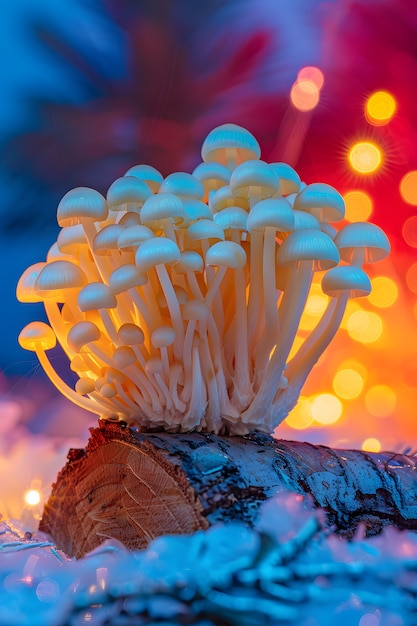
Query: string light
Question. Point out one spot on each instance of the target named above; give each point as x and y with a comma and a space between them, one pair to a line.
365, 157
380, 108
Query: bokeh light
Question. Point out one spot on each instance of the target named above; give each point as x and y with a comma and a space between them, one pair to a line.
408, 187
409, 231
305, 95
411, 278
380, 108
32, 497
371, 444
358, 206
301, 416
313, 74
365, 157
380, 400
348, 384
384, 292
326, 409
314, 308
364, 326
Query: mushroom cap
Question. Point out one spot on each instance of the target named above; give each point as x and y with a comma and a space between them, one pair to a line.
226, 253
70, 238
37, 335
96, 296
289, 180
195, 210
224, 197
162, 206
85, 385
183, 185
211, 175
55, 254
126, 277
132, 236
147, 173
156, 251
232, 218
82, 333
252, 174
364, 235
163, 336
190, 261
303, 220
127, 189
58, 278
233, 138
79, 203
346, 278
202, 229
321, 200
129, 219
25, 289
308, 245
107, 239
131, 334
275, 212
123, 356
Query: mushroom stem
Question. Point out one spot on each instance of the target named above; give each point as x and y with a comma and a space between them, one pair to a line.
174, 309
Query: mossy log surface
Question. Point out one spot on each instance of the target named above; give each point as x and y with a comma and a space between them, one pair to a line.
135, 486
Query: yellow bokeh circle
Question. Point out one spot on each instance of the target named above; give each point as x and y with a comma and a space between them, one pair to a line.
358, 206
384, 292
380, 400
305, 95
371, 445
365, 157
301, 416
380, 108
32, 497
348, 384
364, 326
326, 409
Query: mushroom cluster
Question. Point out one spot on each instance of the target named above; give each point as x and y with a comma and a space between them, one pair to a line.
178, 299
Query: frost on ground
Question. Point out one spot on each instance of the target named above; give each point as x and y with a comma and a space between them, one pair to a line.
286, 570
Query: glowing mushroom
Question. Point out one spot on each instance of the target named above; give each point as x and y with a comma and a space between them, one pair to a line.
230, 145
361, 243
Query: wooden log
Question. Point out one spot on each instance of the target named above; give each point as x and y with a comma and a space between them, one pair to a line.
135, 486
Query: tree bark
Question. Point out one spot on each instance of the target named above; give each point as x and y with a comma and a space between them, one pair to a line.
135, 486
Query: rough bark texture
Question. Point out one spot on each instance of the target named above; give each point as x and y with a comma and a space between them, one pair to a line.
135, 486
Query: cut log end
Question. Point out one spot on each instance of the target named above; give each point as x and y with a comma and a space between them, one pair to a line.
134, 486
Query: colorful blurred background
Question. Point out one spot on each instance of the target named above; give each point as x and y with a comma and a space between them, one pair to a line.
91, 88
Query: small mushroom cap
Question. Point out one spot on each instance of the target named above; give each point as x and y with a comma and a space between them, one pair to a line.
364, 235
163, 336
25, 290
85, 385
79, 203
37, 336
275, 212
212, 175
183, 185
195, 210
224, 197
147, 173
82, 333
289, 180
131, 237
308, 245
96, 296
162, 206
78, 364
321, 200
123, 356
58, 278
126, 277
346, 278
303, 220
131, 334
127, 189
252, 174
232, 138
107, 239
129, 219
70, 238
226, 253
190, 261
55, 254
233, 218
156, 251
201, 230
